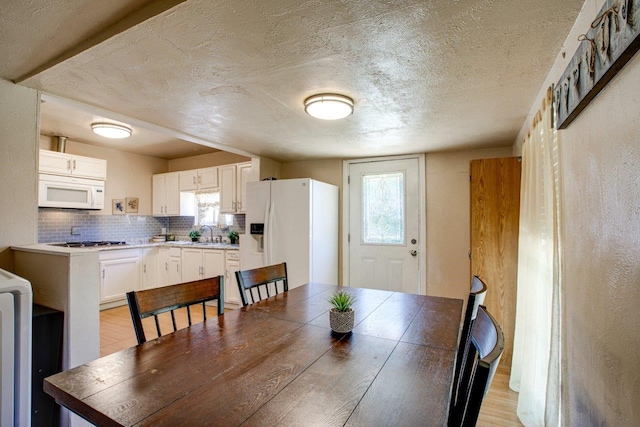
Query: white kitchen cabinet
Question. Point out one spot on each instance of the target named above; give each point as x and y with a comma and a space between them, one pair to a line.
244, 175
199, 179
169, 266
119, 274
166, 194
202, 263
149, 267
191, 264
231, 290
228, 188
233, 181
56, 163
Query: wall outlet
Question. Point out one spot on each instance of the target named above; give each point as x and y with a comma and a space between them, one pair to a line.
163, 230
75, 231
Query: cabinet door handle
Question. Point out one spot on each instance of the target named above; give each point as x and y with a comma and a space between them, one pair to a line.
199, 179
144, 268
74, 164
69, 165
166, 266
194, 180
103, 270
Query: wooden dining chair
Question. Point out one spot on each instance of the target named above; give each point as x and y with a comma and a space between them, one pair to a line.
476, 298
152, 302
262, 281
478, 368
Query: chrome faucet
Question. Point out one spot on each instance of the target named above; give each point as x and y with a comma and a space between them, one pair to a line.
210, 229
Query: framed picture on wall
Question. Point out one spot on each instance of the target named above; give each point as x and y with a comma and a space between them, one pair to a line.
117, 207
132, 205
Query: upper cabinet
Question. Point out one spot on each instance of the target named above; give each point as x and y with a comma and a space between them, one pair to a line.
233, 181
227, 188
199, 179
56, 163
166, 194
244, 175
173, 193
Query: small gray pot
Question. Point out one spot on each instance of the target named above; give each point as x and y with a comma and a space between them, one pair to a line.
341, 321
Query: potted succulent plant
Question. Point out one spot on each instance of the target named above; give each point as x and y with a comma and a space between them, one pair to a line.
341, 316
195, 235
233, 236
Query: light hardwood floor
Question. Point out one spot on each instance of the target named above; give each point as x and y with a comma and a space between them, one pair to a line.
116, 333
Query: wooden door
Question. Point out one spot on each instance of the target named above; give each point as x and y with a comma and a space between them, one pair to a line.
495, 211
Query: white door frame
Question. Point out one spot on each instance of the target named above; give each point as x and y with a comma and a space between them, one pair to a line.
422, 223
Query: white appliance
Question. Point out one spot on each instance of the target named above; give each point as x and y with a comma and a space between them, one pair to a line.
56, 191
16, 301
293, 221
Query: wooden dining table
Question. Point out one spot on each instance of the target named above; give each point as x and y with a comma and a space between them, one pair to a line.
277, 363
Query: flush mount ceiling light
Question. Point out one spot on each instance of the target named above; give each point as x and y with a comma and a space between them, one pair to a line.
110, 130
328, 106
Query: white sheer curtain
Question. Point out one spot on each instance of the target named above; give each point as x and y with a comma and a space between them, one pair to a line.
535, 370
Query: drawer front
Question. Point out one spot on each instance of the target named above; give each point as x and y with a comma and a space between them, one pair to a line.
232, 255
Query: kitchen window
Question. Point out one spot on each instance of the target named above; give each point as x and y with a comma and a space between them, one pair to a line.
208, 210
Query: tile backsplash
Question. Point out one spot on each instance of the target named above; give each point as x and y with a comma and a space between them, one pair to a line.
55, 225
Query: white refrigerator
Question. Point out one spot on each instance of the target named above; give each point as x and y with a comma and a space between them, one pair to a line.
293, 221
16, 300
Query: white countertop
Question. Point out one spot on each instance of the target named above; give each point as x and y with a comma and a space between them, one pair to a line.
48, 248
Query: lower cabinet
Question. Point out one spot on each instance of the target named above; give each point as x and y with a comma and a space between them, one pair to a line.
201, 263
231, 290
169, 266
125, 270
150, 268
119, 274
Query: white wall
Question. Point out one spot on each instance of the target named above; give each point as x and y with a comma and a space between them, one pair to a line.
205, 161
600, 201
600, 166
18, 148
448, 220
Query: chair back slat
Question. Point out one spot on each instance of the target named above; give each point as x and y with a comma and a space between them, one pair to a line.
152, 302
477, 295
477, 370
265, 278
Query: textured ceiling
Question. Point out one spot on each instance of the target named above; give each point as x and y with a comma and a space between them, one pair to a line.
425, 75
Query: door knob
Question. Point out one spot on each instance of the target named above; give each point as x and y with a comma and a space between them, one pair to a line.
414, 253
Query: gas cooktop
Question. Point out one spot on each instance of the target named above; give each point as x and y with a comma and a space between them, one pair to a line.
89, 244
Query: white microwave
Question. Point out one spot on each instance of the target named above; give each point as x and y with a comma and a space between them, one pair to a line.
68, 192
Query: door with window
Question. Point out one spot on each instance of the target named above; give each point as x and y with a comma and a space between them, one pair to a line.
385, 236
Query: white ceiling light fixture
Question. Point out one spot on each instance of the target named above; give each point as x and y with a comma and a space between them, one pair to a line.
111, 130
328, 106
